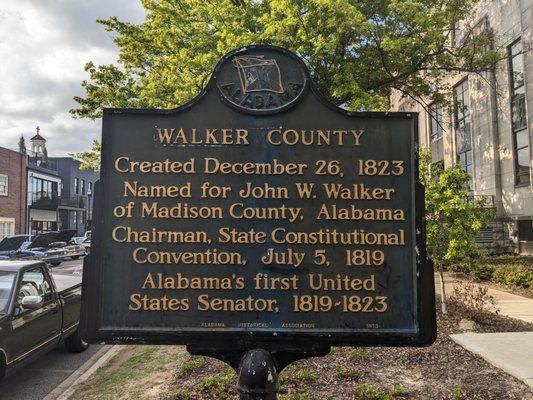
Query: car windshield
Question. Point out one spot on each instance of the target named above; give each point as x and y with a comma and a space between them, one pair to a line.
7, 280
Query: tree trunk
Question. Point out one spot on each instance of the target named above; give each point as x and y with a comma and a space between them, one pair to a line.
442, 291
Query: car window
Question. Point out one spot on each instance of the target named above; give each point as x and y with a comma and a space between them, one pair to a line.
34, 283
7, 280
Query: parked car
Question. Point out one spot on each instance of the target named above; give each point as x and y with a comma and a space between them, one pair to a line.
9, 245
51, 247
81, 239
39, 309
42, 248
87, 244
65, 242
78, 239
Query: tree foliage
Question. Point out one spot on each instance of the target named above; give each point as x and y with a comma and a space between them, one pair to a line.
357, 50
22, 145
90, 159
452, 218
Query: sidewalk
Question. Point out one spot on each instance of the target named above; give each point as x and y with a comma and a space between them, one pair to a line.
509, 351
510, 305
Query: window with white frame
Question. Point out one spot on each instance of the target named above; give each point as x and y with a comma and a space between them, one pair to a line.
4, 181
7, 227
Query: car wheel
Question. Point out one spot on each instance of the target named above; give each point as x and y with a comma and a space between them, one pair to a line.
75, 257
75, 344
55, 264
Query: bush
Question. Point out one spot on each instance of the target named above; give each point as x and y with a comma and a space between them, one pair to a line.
482, 271
474, 297
517, 275
506, 270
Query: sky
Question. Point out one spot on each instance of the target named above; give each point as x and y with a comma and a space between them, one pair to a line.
44, 45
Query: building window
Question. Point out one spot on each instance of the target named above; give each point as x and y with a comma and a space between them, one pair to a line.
4, 185
436, 132
42, 226
525, 230
82, 185
457, 34
76, 186
43, 189
518, 114
90, 191
435, 126
463, 133
7, 227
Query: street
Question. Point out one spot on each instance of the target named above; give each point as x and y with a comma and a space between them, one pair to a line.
37, 379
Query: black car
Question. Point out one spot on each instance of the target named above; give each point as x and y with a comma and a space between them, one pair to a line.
38, 310
11, 244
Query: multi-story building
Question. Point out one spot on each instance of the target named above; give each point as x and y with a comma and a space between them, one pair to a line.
12, 192
75, 209
44, 188
489, 129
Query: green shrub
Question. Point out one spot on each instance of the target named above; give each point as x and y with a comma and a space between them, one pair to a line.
517, 275
193, 364
505, 269
463, 267
369, 392
482, 271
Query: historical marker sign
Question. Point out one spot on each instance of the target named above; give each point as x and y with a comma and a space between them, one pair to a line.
258, 214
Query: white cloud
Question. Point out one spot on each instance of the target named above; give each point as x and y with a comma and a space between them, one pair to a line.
44, 45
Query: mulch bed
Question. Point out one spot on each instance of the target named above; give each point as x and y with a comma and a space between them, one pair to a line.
441, 371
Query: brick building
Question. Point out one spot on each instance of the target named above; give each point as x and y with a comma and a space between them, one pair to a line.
12, 192
489, 130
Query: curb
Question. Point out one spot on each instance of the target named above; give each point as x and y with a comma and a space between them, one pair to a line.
69, 385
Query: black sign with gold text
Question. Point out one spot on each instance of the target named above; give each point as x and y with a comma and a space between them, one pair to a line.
259, 214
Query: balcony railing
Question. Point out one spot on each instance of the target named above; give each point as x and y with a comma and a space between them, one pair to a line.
44, 200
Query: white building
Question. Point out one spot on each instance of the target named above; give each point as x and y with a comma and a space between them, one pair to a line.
491, 132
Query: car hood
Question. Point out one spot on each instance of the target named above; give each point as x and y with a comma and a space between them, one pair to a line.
65, 236
44, 239
12, 243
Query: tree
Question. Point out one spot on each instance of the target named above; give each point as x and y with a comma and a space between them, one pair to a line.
90, 159
45, 155
452, 218
22, 145
357, 50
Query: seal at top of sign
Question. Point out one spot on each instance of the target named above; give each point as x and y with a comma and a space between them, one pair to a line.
261, 79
